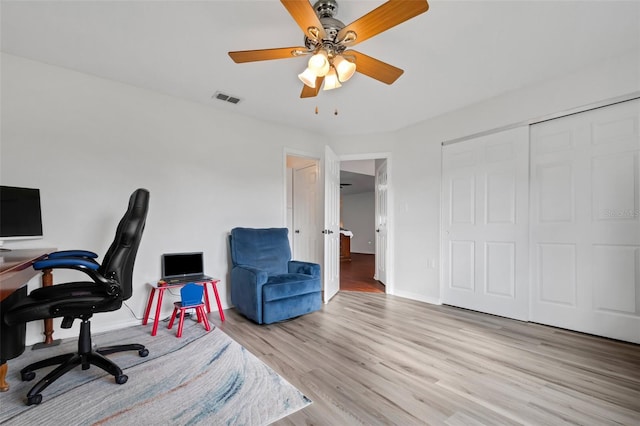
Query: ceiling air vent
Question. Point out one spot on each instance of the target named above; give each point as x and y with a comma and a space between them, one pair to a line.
224, 97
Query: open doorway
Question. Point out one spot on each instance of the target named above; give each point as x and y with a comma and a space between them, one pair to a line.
306, 219
304, 208
363, 225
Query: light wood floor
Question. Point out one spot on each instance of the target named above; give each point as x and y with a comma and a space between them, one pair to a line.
369, 358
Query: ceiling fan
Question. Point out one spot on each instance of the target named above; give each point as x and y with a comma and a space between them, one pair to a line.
329, 42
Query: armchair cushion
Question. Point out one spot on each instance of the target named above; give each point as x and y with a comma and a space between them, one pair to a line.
289, 285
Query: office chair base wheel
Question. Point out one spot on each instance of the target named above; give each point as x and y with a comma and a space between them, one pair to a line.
122, 379
34, 400
27, 376
143, 352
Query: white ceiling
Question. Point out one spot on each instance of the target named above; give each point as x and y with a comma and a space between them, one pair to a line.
456, 54
356, 183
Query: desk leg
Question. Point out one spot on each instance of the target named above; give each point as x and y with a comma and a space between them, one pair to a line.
158, 309
148, 310
215, 290
206, 296
47, 281
4, 386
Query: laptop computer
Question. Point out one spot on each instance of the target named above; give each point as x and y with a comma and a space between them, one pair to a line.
183, 268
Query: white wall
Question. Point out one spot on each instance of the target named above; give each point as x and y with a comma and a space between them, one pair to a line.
364, 167
87, 143
358, 216
415, 154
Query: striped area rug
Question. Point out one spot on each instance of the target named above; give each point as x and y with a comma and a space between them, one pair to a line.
200, 378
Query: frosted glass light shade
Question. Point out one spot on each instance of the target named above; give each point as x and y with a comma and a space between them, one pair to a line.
319, 63
331, 80
308, 77
344, 68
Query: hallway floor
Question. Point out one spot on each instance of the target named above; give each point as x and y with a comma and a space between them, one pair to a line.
357, 275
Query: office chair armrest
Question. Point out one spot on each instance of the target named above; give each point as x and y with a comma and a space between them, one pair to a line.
307, 268
72, 253
88, 266
67, 262
75, 254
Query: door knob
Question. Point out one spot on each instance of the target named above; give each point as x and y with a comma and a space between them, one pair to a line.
297, 231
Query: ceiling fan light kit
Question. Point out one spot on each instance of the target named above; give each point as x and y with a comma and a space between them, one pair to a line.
331, 80
319, 63
308, 77
344, 68
336, 68
329, 41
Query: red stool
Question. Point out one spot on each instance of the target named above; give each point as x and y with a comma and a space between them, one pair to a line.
191, 295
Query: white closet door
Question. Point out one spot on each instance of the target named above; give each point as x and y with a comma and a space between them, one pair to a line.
484, 224
585, 222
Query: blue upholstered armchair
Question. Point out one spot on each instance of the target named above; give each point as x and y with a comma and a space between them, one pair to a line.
266, 285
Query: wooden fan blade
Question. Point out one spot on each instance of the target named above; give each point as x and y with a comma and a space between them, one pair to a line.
374, 68
308, 92
267, 54
386, 16
303, 13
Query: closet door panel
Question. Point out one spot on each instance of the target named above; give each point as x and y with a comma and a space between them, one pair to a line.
585, 222
484, 226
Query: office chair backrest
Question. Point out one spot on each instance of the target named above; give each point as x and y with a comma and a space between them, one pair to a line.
267, 248
120, 257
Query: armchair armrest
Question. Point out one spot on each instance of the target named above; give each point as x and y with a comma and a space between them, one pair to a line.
307, 268
246, 290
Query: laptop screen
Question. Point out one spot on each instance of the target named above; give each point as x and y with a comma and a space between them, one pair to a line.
176, 265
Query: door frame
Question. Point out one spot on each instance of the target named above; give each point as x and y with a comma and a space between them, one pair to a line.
389, 285
318, 162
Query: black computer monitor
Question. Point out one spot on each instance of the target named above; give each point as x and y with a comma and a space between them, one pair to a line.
20, 213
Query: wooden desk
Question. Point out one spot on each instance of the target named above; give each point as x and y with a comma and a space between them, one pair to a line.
15, 273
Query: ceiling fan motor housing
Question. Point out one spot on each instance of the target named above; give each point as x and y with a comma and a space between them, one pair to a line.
326, 10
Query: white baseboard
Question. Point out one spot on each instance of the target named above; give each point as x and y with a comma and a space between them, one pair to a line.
418, 297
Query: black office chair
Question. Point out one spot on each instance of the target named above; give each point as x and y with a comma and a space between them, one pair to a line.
111, 284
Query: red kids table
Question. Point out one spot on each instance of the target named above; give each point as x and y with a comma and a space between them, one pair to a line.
160, 288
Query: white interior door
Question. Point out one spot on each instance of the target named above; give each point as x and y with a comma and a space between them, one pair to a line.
331, 224
585, 222
484, 224
381, 222
306, 215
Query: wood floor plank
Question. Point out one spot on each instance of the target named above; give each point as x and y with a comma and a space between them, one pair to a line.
371, 358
